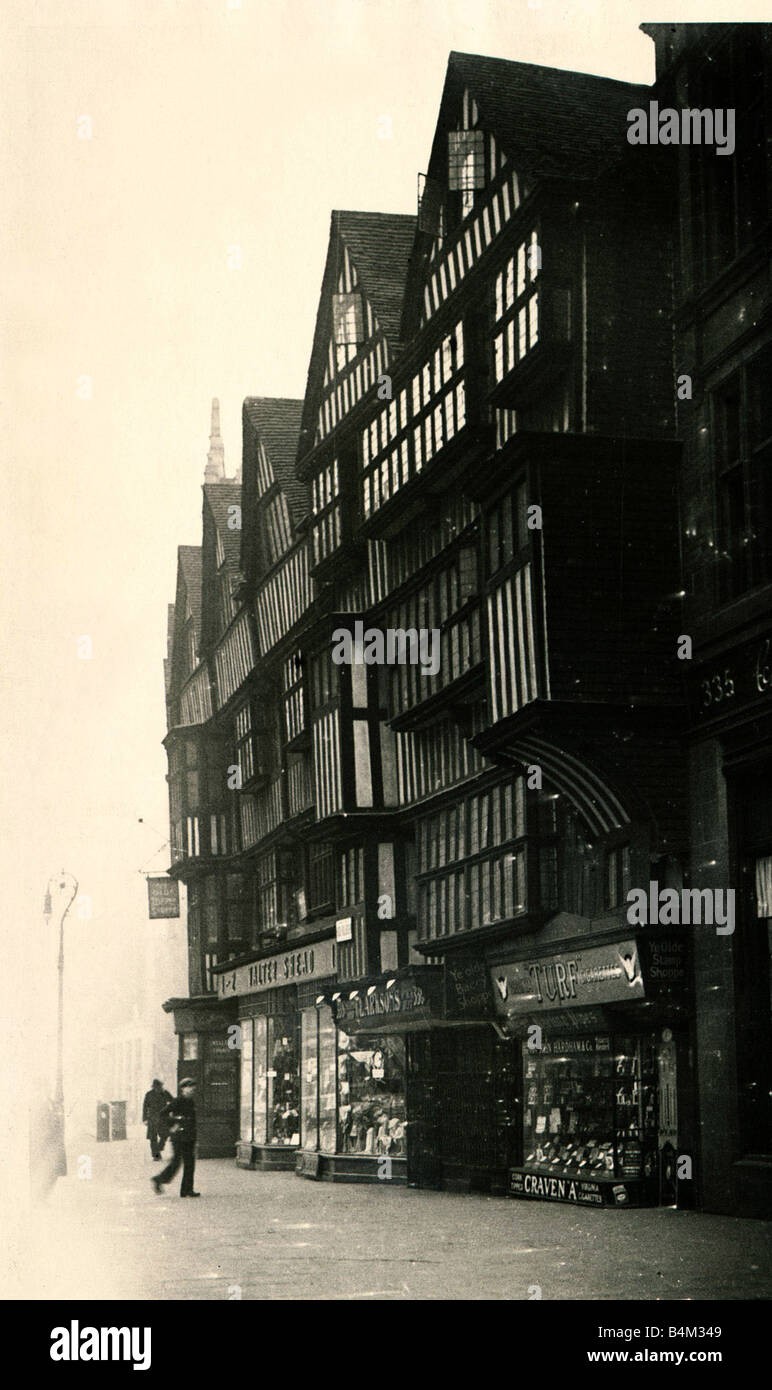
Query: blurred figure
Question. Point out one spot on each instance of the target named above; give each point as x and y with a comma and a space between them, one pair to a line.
181, 1114
153, 1107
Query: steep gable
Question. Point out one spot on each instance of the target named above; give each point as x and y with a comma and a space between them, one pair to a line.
357, 324
186, 639
220, 552
274, 500
502, 128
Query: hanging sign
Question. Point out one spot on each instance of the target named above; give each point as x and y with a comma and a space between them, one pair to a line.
163, 896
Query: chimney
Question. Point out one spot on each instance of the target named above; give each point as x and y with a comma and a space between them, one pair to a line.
215, 459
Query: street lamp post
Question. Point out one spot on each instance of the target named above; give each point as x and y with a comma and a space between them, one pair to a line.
63, 881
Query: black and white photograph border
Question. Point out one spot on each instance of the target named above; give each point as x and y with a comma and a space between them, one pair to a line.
388, 651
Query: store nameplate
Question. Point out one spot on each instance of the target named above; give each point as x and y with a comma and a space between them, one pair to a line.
467, 989
408, 1000
289, 968
573, 979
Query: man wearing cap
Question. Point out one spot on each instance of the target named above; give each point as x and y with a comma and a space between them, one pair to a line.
181, 1115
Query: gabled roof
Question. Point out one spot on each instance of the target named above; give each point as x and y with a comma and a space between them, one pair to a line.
189, 566
274, 422
380, 245
276, 419
221, 496
187, 595
551, 122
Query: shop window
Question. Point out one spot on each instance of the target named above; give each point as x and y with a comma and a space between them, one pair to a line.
590, 1107
371, 1086
327, 1080
260, 1081
245, 1105
753, 961
309, 1061
283, 1079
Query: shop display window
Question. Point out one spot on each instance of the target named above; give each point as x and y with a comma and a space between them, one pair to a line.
309, 1024
245, 1122
590, 1106
260, 1079
327, 1069
283, 1080
371, 1095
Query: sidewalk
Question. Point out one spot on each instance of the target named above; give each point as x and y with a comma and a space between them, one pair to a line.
277, 1236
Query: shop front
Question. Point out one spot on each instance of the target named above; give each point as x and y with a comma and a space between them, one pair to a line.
600, 1026
204, 1027
272, 1009
354, 1060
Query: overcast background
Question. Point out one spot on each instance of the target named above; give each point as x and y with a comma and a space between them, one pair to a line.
214, 126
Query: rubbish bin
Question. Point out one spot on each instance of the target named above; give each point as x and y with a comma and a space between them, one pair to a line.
102, 1122
118, 1119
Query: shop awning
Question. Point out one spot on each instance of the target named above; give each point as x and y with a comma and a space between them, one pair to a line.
408, 1000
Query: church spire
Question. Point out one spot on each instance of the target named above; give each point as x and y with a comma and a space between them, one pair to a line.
215, 459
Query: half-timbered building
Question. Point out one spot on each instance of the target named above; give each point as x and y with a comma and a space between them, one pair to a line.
428, 707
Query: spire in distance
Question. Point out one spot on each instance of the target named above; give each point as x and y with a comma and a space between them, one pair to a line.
215, 459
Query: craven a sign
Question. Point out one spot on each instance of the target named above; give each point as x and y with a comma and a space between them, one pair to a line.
289, 968
595, 975
582, 1192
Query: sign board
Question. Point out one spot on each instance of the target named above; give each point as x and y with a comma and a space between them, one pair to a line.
288, 968
739, 680
467, 988
571, 979
584, 1192
163, 896
410, 1000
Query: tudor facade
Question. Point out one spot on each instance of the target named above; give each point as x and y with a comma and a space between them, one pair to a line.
435, 980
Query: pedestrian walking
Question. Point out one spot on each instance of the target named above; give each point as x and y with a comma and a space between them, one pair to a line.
181, 1116
153, 1106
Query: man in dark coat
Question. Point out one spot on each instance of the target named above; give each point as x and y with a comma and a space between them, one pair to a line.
153, 1107
181, 1115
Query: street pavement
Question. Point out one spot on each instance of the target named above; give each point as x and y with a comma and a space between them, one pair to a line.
258, 1235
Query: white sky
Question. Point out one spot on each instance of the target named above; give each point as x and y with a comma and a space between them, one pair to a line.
212, 128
